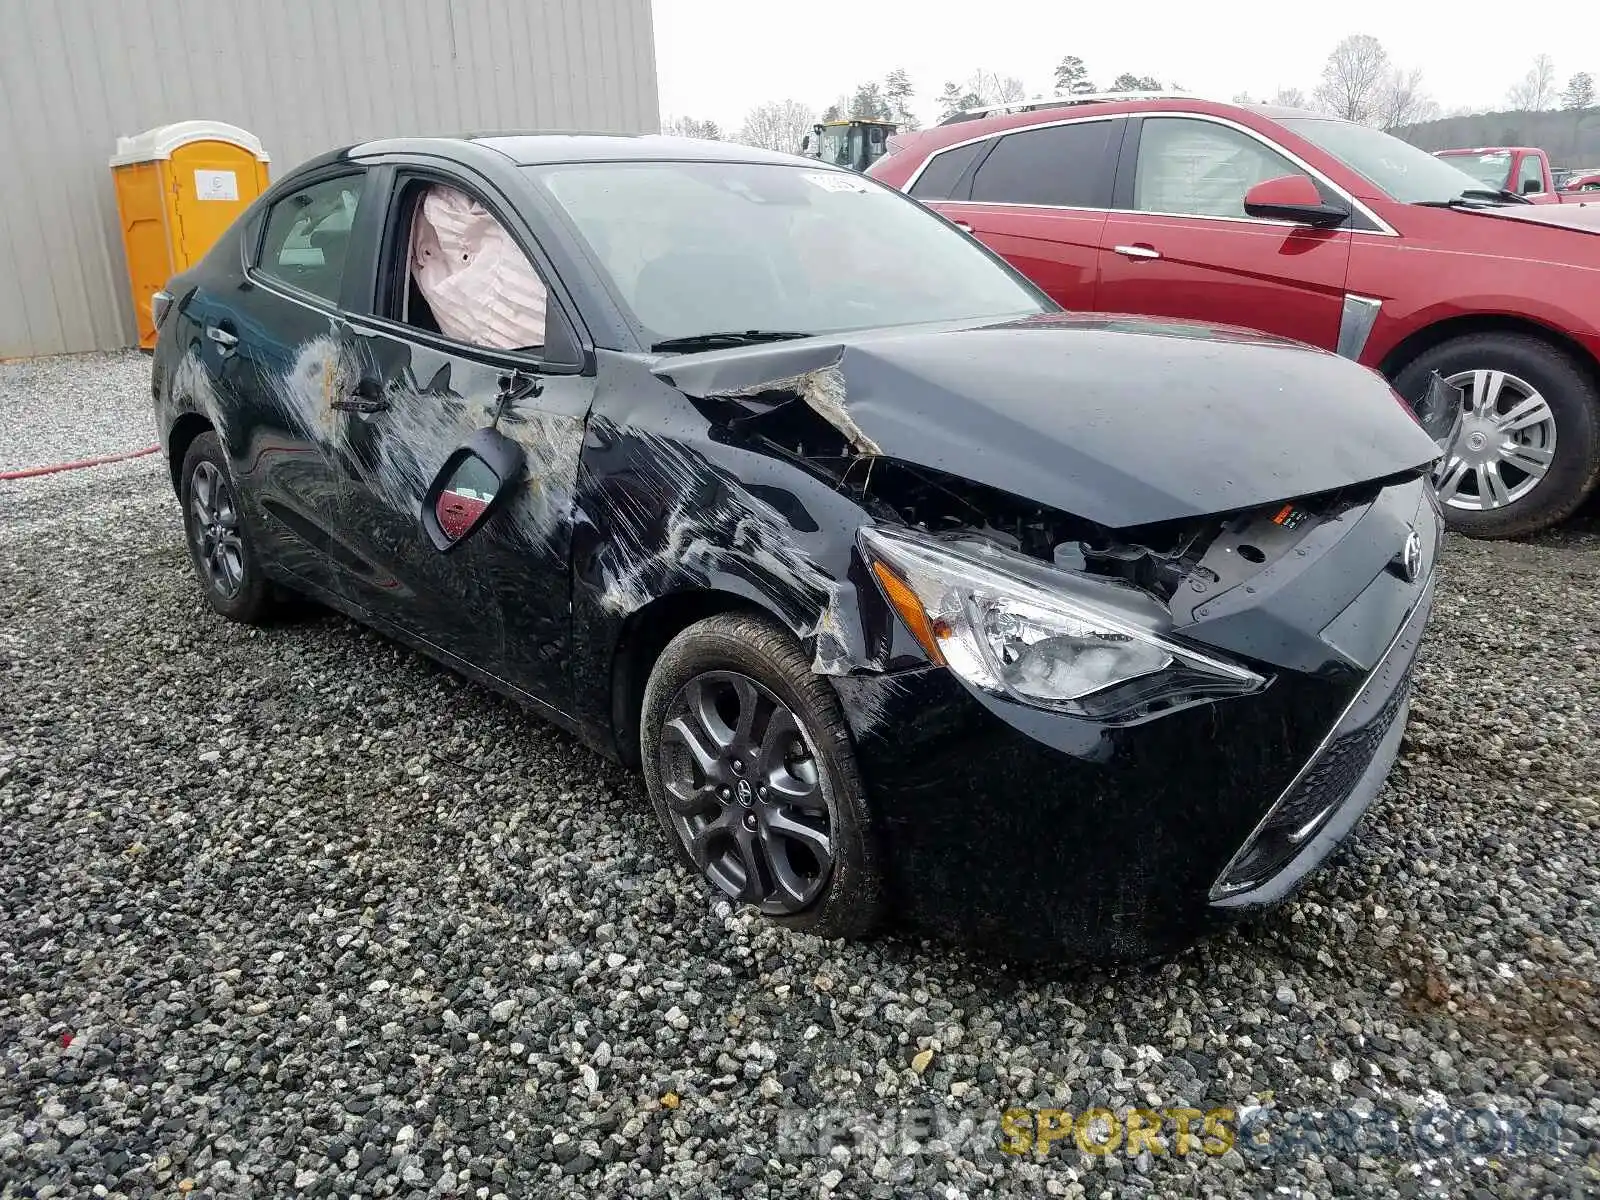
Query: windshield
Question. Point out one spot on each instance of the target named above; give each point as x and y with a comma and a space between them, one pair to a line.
705, 247
1491, 170
836, 145
1409, 175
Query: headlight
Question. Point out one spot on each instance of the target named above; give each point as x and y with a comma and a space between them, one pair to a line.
1018, 628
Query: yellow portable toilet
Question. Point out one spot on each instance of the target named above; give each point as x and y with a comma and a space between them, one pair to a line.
178, 187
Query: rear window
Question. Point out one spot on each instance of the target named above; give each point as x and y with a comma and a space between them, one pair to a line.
944, 170
1060, 165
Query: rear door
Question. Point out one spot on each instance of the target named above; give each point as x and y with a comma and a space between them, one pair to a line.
269, 350
1037, 197
1179, 243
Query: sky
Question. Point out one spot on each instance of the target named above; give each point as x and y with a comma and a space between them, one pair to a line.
716, 59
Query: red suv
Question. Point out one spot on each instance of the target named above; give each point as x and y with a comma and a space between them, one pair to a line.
1316, 229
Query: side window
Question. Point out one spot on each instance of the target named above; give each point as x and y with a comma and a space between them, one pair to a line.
308, 235
464, 276
1200, 168
943, 171
1060, 165
1530, 178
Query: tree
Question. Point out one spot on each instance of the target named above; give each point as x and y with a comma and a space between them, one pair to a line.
981, 90
1290, 97
1355, 78
1403, 102
897, 90
955, 99
1537, 91
1135, 83
693, 128
1072, 76
1580, 91
778, 125
869, 102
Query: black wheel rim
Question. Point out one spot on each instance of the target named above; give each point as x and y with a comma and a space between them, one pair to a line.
214, 530
745, 792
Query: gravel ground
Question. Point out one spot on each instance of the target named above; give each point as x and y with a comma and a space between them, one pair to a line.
80, 406
295, 912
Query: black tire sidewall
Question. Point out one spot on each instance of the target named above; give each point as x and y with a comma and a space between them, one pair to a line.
253, 600
1573, 402
851, 903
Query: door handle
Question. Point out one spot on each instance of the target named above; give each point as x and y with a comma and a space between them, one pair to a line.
222, 337
1140, 250
357, 403
365, 397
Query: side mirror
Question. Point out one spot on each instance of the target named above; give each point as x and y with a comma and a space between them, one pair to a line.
479, 476
1529, 186
1292, 198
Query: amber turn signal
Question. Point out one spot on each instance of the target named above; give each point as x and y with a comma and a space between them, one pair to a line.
904, 601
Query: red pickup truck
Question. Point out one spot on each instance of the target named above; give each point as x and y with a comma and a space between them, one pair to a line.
1521, 169
1313, 228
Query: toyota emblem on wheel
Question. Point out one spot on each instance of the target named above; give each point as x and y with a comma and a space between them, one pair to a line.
746, 796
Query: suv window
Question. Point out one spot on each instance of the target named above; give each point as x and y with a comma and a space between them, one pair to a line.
308, 235
1200, 168
944, 170
1530, 172
1061, 165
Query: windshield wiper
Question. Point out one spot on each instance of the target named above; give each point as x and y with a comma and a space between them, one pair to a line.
727, 337
1477, 197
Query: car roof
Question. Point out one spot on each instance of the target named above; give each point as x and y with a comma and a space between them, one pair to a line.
535, 148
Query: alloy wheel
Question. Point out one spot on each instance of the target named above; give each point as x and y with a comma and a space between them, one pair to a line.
214, 529
745, 793
1505, 446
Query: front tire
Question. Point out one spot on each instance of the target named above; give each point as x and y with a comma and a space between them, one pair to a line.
224, 558
1529, 450
753, 777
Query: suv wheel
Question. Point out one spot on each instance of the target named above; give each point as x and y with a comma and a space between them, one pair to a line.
1529, 448
752, 774
224, 559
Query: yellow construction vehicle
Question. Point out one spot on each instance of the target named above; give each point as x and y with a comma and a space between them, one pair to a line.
854, 142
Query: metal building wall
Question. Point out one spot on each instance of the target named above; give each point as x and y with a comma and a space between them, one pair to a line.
304, 75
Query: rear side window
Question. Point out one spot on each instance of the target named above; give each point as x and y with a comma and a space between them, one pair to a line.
944, 170
308, 236
1063, 165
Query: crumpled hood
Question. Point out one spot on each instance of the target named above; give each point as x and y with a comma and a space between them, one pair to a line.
1119, 420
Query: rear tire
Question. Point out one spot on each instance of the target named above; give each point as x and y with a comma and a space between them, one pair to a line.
1573, 402
220, 547
700, 688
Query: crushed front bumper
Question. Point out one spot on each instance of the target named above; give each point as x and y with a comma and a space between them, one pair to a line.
1036, 834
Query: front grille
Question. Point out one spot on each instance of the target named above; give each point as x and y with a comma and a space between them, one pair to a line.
1315, 796
1332, 775
1335, 773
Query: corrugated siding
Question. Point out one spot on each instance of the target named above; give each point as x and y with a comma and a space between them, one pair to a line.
303, 75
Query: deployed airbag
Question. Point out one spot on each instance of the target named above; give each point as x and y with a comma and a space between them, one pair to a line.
477, 281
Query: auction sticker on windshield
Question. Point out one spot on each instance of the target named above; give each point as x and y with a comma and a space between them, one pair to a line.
831, 182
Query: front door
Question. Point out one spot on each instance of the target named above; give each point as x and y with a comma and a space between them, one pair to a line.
1180, 243
447, 353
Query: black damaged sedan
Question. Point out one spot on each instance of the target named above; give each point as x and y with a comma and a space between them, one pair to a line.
916, 599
